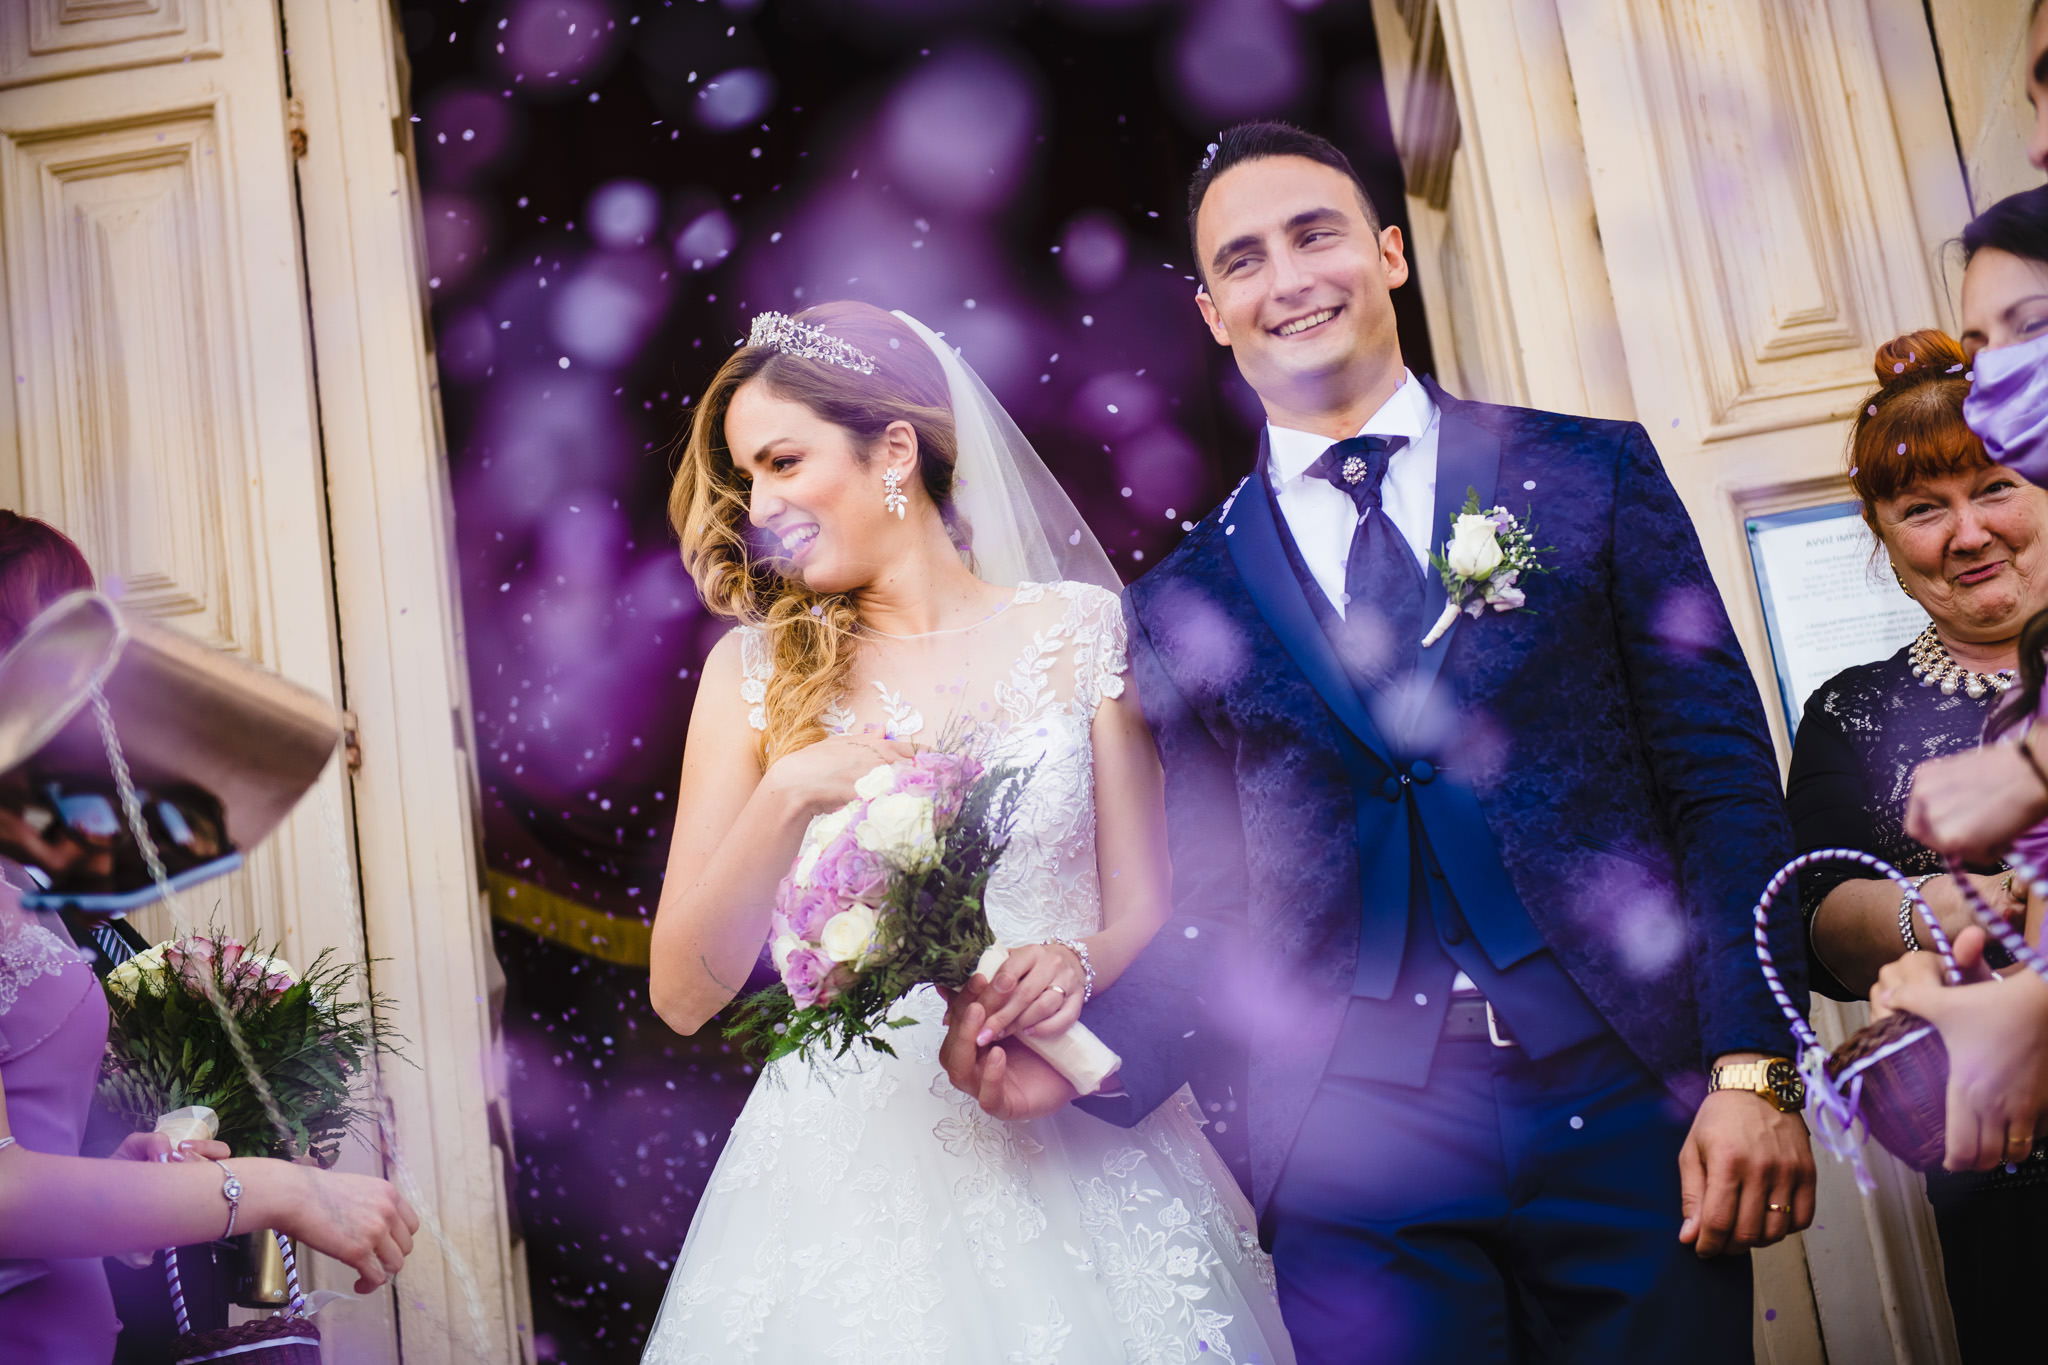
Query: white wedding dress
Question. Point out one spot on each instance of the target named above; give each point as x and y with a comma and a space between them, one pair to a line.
865, 1211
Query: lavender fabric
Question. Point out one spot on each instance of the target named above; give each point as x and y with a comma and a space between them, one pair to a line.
53, 1030
2008, 406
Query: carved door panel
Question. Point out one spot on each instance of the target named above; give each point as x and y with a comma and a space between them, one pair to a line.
159, 397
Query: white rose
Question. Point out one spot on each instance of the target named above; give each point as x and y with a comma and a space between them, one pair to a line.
878, 781
900, 827
849, 936
821, 833
781, 948
126, 979
1474, 551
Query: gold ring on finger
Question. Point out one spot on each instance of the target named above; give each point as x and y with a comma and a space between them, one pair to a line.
2019, 1140
1779, 1208
1061, 989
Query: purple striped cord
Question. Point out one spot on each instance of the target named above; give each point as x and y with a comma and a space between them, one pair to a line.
2009, 938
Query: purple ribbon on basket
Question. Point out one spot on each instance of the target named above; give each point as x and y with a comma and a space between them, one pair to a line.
1836, 1101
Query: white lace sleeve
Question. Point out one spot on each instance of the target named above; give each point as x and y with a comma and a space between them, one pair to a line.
1101, 647
755, 669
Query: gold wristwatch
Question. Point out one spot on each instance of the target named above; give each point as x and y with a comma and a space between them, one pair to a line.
1774, 1078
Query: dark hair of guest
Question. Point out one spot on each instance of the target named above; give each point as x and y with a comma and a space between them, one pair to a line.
2016, 225
1254, 142
38, 565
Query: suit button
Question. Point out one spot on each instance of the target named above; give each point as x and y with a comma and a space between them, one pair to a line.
1391, 788
1422, 770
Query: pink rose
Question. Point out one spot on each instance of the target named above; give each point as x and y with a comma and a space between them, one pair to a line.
194, 958
807, 908
804, 974
853, 873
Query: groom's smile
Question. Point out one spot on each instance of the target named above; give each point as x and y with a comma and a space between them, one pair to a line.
1307, 323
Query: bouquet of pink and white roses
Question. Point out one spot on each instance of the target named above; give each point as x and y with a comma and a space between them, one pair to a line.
886, 894
170, 1049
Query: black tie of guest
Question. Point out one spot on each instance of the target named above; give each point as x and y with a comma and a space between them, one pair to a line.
1384, 590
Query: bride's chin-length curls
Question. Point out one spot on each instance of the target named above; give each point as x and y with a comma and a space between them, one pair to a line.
810, 622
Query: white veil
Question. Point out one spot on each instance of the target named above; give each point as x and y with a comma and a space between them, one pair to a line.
1022, 526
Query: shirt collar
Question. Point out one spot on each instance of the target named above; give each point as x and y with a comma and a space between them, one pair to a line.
1408, 411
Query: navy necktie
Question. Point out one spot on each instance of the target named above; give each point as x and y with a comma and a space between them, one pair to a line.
1384, 590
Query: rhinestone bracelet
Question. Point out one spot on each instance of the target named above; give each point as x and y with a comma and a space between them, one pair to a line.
1080, 950
1906, 934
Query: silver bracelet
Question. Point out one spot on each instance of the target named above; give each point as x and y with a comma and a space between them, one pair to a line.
230, 1190
6, 1142
1906, 934
1080, 950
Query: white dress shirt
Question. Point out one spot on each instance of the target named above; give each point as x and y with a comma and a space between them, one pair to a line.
1322, 518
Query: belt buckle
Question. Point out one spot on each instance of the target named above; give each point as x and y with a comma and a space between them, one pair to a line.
1493, 1029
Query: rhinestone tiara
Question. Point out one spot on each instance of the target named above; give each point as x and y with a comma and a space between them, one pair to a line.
791, 337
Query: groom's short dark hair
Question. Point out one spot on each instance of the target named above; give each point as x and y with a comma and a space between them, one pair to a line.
1254, 141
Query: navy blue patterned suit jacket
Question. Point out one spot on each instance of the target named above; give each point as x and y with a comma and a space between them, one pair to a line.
1609, 735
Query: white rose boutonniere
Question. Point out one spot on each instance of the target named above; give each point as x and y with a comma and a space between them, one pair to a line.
1485, 563
1473, 551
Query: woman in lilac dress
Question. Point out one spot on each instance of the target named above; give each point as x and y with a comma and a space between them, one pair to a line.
60, 1212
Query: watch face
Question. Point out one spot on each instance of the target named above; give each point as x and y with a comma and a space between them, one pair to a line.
233, 1189
1784, 1081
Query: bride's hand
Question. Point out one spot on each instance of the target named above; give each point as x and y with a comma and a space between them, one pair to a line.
1038, 991
820, 777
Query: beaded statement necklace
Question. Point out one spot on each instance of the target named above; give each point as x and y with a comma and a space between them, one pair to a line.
1934, 666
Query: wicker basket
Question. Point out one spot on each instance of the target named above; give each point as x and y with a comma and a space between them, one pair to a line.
286, 1338
1902, 1067
279, 1340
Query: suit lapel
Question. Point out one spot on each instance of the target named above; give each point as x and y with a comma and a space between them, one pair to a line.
1467, 458
1252, 532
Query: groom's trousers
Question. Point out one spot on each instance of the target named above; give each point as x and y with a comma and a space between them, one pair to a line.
1509, 1210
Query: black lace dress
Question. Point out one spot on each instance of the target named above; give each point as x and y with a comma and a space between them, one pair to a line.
1862, 736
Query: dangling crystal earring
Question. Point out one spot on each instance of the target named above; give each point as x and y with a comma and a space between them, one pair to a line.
892, 493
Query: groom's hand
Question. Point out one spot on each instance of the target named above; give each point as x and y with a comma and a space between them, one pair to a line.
1745, 1174
1009, 1082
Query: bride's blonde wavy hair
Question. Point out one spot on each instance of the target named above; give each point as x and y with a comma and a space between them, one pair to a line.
810, 635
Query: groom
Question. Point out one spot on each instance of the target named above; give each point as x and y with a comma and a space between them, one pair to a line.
1461, 939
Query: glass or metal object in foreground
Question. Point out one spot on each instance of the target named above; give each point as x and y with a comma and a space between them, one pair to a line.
213, 749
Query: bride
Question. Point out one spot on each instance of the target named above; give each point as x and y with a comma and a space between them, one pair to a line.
903, 567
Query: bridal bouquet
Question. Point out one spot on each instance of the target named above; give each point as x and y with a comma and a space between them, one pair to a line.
886, 894
168, 1047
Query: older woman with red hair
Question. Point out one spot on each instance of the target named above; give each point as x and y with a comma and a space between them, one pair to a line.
1967, 539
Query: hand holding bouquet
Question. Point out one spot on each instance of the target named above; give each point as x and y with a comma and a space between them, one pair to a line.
887, 894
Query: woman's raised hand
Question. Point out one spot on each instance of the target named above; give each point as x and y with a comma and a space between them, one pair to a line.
1974, 803
820, 776
1996, 1033
359, 1220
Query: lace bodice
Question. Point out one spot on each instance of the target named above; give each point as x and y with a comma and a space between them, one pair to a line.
1019, 687
866, 1212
